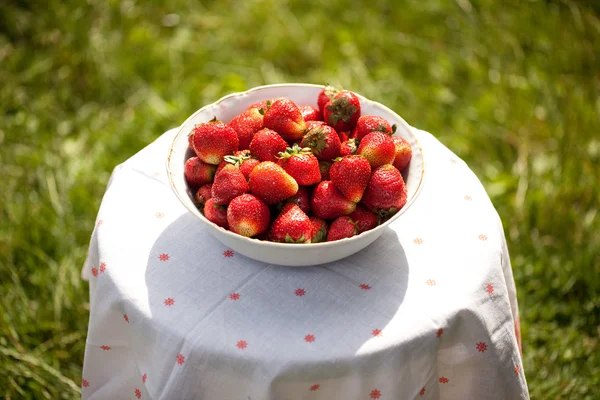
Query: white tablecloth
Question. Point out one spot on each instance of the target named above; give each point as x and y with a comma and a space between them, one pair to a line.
428, 311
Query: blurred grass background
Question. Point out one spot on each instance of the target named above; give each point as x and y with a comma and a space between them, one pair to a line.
513, 87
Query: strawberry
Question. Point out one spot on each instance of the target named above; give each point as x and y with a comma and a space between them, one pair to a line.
343, 136
264, 104
310, 113
328, 202
213, 140
350, 175
313, 124
348, 147
319, 229
228, 184
403, 153
378, 148
202, 195
302, 199
198, 173
301, 164
285, 118
216, 213
328, 93
291, 226
342, 111
248, 216
242, 160
386, 191
365, 219
323, 141
343, 227
246, 125
325, 167
371, 123
267, 144
270, 183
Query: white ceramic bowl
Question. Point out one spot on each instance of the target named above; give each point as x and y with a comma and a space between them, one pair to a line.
287, 254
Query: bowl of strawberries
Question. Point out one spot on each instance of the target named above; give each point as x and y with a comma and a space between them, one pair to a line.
296, 174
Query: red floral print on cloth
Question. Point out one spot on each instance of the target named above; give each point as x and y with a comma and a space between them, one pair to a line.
180, 359
315, 387
234, 296
138, 393
481, 347
443, 379
489, 288
418, 241
95, 272
376, 332
364, 286
169, 301
163, 257
439, 332
105, 348
517, 370
144, 378
102, 267
228, 253
468, 198
85, 383
375, 394
159, 215
100, 222
299, 292
430, 282
126, 318
241, 344
309, 338
422, 391
453, 161
482, 237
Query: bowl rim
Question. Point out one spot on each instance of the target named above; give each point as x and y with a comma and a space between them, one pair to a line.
279, 245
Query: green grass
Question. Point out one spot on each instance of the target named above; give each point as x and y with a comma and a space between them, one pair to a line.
512, 87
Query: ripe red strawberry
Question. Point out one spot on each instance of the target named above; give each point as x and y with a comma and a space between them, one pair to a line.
325, 167
365, 219
319, 229
213, 140
342, 111
267, 144
310, 113
197, 173
285, 118
270, 183
328, 93
313, 124
246, 125
302, 199
264, 104
301, 164
228, 184
248, 216
343, 227
343, 136
323, 141
242, 160
351, 175
328, 202
403, 153
371, 123
386, 191
202, 195
291, 226
216, 213
348, 147
378, 148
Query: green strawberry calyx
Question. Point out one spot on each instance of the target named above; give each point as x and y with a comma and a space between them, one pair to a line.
301, 239
294, 150
331, 91
341, 109
236, 161
320, 235
315, 139
262, 111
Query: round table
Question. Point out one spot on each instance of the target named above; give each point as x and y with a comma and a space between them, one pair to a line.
428, 311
